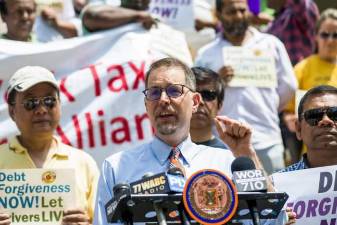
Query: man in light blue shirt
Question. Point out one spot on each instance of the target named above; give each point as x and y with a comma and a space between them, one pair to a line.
170, 100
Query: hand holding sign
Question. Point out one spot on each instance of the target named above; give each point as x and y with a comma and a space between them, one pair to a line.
4, 219
291, 216
76, 215
226, 73
146, 19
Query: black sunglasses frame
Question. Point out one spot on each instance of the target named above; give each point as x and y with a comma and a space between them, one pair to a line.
208, 95
314, 116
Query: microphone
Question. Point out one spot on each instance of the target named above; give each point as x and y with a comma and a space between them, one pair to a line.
248, 179
162, 183
122, 194
168, 182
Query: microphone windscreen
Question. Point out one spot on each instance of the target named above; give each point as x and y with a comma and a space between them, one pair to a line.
175, 171
120, 189
242, 163
148, 174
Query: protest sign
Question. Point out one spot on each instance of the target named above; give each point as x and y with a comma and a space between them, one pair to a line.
178, 13
312, 194
252, 67
36, 196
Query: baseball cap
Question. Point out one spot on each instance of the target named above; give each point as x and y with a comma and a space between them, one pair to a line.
28, 76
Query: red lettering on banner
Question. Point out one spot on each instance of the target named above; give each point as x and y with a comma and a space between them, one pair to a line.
119, 130
96, 80
5, 94
124, 129
90, 130
63, 136
139, 128
101, 125
120, 77
63, 90
3, 141
78, 131
140, 75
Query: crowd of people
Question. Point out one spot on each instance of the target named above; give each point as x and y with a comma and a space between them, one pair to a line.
196, 113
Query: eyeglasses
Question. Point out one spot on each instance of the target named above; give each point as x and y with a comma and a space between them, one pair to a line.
172, 91
313, 116
326, 35
33, 103
208, 95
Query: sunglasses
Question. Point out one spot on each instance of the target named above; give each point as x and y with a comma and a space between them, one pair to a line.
172, 91
326, 35
33, 103
208, 95
313, 116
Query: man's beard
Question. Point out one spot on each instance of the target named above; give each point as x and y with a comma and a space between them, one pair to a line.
166, 129
237, 29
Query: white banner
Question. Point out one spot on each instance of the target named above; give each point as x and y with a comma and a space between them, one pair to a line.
178, 14
101, 78
312, 194
37, 196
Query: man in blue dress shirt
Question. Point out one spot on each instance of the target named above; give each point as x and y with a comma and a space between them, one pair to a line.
170, 100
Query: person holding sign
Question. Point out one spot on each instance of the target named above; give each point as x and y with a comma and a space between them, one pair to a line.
316, 126
170, 100
34, 105
259, 75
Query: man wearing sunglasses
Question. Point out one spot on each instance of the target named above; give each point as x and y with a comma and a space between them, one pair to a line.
316, 126
170, 100
212, 90
34, 106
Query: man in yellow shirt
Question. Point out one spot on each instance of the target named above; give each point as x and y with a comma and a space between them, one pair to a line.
34, 105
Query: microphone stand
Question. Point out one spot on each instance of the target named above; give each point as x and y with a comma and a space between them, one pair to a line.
160, 214
254, 212
128, 222
182, 214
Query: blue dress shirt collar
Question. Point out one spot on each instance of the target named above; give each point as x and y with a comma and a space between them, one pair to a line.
162, 151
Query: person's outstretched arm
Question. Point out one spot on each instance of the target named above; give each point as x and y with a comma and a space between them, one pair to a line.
101, 17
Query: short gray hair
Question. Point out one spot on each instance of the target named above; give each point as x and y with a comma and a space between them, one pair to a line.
173, 63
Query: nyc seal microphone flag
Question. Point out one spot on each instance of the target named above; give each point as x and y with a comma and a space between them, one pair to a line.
210, 197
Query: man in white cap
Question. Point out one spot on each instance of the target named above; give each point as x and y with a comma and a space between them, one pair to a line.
34, 105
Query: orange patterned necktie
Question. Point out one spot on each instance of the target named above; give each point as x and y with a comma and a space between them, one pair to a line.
174, 160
